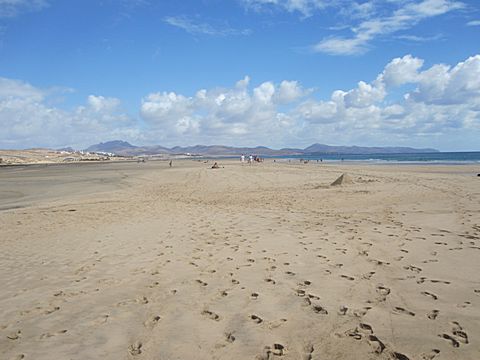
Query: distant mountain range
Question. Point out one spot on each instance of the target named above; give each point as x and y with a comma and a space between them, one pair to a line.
124, 148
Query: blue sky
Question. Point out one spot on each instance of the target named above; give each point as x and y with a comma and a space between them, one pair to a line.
280, 73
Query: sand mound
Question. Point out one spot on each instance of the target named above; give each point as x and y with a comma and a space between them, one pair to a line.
342, 180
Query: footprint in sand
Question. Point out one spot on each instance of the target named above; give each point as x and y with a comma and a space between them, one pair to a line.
15, 335
319, 310
152, 322
52, 310
376, 344
308, 352
400, 310
368, 275
347, 277
143, 300
399, 356
211, 315
307, 301
382, 290
353, 333
254, 296
256, 319
429, 294
101, 319
465, 304
229, 337
18, 357
277, 323
413, 268
452, 341
430, 355
365, 328
135, 349
269, 352
432, 315
278, 349
429, 261
361, 312
459, 332
300, 292
49, 335
154, 284
266, 354
378, 262
342, 310
202, 283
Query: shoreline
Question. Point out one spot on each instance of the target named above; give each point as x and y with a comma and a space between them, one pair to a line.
45, 156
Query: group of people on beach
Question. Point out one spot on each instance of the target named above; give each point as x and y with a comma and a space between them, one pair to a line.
250, 159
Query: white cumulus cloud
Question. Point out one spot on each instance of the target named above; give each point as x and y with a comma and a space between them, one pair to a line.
101, 103
401, 71
220, 112
445, 101
27, 119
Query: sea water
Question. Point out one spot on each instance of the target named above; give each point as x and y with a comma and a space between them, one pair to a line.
435, 157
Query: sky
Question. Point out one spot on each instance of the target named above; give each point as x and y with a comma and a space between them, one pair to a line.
277, 73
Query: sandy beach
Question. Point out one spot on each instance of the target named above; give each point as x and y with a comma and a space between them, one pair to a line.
268, 261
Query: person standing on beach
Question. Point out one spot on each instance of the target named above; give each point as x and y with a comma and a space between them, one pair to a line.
170, 163
242, 158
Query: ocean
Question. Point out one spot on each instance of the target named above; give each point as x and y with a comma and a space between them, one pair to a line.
415, 158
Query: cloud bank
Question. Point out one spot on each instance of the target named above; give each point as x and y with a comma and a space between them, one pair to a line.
442, 102
27, 119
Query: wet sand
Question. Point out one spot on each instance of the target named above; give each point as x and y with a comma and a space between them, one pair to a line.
140, 261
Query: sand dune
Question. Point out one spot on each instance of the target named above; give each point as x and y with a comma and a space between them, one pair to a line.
143, 261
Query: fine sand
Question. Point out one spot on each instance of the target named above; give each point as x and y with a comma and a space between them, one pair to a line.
264, 261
